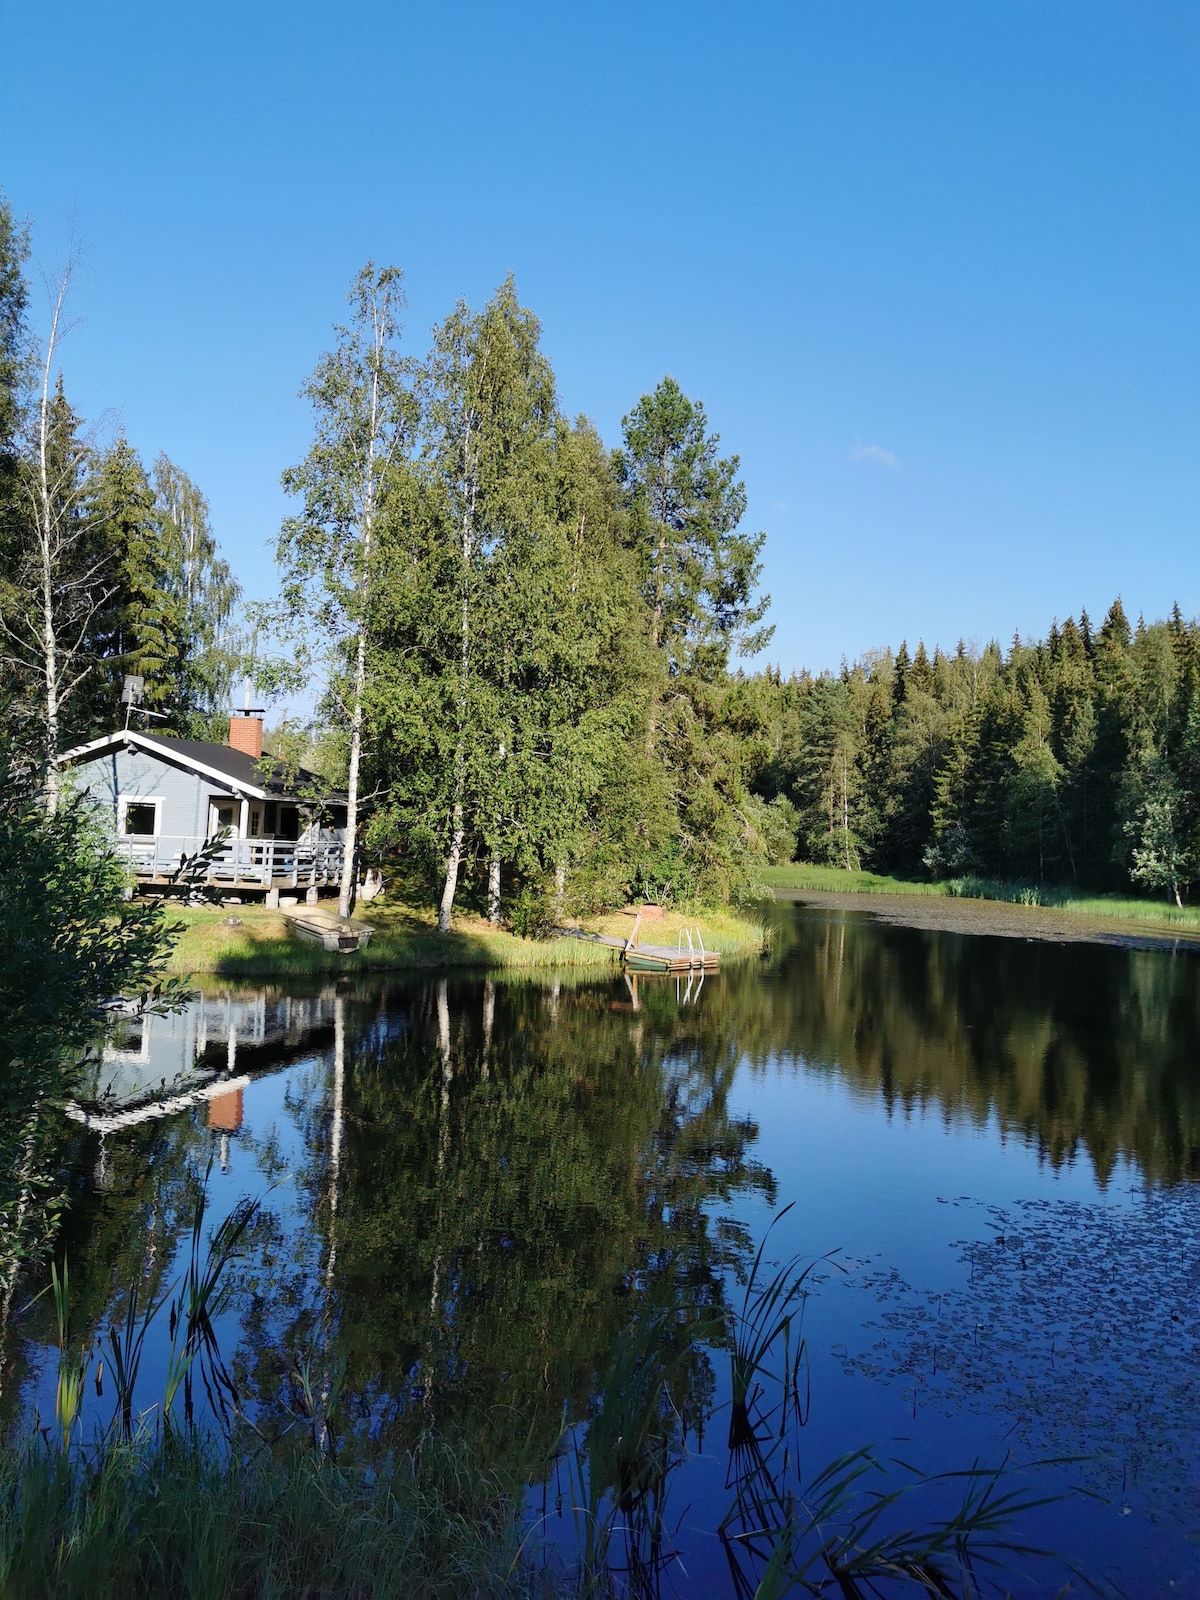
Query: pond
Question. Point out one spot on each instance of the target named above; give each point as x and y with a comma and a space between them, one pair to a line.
473, 1190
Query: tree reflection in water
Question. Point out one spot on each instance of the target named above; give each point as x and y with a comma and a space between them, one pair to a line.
494, 1190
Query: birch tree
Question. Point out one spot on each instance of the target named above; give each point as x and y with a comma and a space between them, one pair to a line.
64, 573
365, 414
490, 410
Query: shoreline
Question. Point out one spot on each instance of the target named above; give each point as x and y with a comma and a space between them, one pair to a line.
262, 944
1000, 918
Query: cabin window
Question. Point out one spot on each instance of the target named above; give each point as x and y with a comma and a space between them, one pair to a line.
288, 826
255, 822
269, 812
139, 817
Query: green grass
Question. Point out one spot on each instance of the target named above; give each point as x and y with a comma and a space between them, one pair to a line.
799, 875
1151, 913
406, 937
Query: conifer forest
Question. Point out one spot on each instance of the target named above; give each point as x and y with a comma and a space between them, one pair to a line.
526, 652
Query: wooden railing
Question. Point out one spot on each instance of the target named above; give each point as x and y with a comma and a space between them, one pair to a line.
239, 861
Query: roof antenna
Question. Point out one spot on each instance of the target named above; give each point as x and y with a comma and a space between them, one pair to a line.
132, 693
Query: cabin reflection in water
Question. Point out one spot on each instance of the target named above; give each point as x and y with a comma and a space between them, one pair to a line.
156, 1065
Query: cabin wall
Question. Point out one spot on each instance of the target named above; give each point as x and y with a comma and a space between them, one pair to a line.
136, 773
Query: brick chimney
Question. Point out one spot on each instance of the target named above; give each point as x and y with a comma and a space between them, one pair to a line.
245, 733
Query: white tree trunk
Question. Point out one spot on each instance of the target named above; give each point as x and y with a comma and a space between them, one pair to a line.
346, 888
494, 891
453, 862
48, 542
458, 832
489, 1022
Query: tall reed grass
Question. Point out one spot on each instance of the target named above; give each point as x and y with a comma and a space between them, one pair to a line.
174, 1515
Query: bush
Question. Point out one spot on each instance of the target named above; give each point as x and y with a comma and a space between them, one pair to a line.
533, 913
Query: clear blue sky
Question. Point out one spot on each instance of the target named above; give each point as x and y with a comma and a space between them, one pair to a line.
932, 265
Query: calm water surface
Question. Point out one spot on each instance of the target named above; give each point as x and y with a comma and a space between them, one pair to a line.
470, 1186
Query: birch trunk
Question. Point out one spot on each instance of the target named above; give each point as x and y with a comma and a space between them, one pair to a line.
350, 851
346, 887
47, 552
494, 891
457, 833
453, 862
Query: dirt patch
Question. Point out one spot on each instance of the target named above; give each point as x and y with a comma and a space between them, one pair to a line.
945, 914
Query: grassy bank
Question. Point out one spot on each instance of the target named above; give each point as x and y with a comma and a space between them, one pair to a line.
406, 938
1149, 913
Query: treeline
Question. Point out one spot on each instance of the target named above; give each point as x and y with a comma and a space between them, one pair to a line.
1073, 760
107, 568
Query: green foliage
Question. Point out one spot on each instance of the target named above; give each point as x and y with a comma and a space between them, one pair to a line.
72, 943
533, 911
179, 1516
1075, 760
138, 629
698, 572
71, 940
14, 360
185, 632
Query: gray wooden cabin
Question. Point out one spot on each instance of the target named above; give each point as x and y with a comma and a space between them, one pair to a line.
167, 799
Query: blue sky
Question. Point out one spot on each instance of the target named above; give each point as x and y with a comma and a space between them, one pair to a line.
931, 265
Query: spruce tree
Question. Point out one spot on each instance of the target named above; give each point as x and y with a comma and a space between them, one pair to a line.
208, 652
141, 623
686, 504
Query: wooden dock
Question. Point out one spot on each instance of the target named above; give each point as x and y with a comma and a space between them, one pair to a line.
687, 955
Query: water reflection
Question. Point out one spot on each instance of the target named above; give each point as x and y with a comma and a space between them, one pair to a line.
1072, 1046
474, 1190
156, 1064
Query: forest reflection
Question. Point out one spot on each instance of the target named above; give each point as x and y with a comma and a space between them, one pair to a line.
1074, 1047
474, 1189
487, 1185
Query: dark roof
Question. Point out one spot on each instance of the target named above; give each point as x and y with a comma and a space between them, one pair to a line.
221, 757
244, 769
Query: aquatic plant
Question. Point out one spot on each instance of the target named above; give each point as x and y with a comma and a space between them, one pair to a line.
174, 1514
1076, 1321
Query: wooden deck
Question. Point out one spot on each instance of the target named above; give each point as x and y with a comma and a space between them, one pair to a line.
168, 861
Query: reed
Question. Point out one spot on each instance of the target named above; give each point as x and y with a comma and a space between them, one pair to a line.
178, 1514
847, 1531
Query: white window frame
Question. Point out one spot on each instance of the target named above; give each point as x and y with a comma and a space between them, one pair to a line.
124, 801
232, 800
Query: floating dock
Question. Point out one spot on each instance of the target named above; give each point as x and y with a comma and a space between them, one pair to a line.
688, 955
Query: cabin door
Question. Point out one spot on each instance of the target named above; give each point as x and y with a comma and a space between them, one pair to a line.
223, 814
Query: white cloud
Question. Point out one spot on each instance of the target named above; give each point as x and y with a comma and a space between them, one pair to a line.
876, 453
